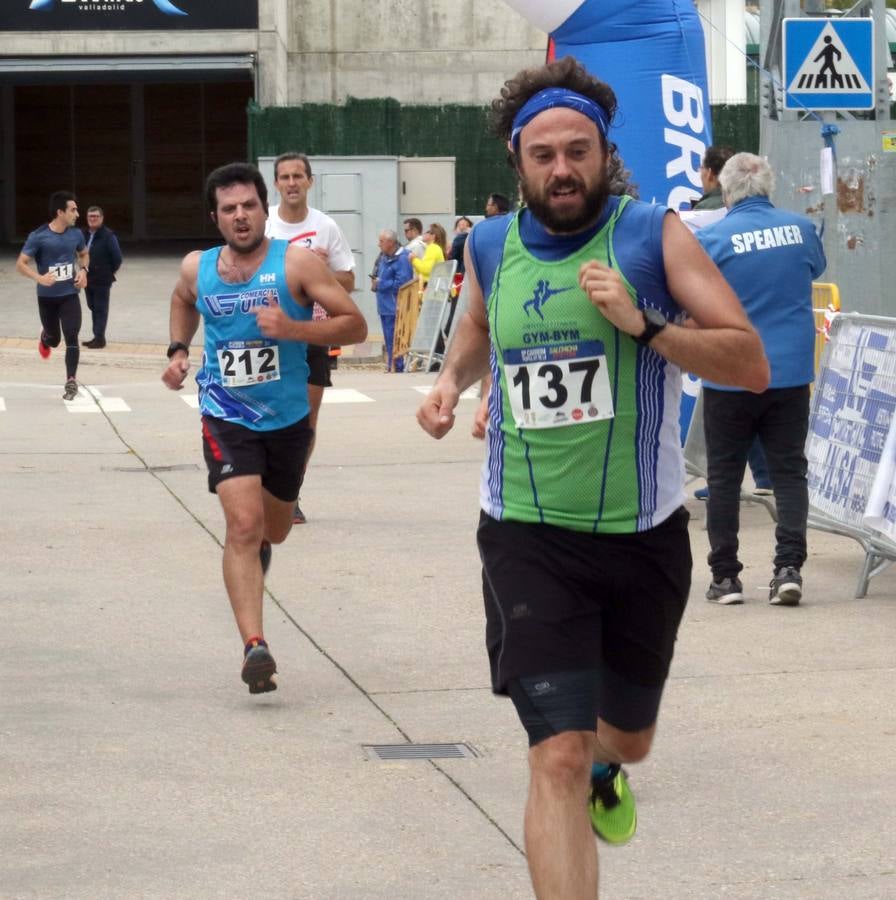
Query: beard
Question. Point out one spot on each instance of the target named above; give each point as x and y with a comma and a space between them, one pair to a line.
245, 249
565, 221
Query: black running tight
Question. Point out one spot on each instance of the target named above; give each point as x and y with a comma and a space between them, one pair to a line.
61, 317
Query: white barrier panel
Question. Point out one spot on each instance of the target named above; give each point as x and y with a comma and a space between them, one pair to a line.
880, 513
433, 318
851, 415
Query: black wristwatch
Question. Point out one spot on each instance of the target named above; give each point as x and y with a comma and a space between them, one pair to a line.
654, 323
174, 346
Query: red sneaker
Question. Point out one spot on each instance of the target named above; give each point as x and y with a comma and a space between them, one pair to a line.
42, 348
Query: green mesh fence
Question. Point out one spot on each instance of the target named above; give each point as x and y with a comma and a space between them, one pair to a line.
736, 126
384, 127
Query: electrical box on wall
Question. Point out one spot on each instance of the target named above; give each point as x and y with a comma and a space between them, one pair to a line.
366, 194
426, 183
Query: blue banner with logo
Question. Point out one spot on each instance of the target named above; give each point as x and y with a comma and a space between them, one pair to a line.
651, 52
123, 15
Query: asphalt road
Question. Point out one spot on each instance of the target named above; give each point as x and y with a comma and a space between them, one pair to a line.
133, 762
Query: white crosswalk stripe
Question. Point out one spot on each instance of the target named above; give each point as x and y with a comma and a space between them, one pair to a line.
345, 395
331, 395
91, 400
471, 393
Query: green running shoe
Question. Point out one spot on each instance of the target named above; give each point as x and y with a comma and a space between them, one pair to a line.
612, 808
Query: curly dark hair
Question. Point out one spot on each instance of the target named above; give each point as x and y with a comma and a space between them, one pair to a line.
569, 73
234, 173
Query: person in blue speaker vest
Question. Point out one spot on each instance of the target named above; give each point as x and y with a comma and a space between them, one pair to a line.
770, 257
254, 296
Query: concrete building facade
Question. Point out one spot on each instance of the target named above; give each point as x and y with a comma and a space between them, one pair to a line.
131, 102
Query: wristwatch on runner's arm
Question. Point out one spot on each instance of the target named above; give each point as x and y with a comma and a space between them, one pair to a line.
174, 346
654, 323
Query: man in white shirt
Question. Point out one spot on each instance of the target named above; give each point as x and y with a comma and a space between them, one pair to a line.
413, 234
303, 225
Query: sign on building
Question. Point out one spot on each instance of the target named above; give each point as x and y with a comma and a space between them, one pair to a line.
828, 64
121, 15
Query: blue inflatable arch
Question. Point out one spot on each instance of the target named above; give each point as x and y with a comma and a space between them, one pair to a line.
651, 53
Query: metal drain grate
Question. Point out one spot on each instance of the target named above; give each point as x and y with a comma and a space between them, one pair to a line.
180, 467
419, 751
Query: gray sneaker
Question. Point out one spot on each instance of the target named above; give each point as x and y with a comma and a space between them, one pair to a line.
259, 668
728, 591
786, 588
71, 389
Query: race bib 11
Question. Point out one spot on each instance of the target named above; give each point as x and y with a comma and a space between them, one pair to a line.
63, 271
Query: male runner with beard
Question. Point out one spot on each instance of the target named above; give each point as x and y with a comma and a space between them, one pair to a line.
254, 297
576, 306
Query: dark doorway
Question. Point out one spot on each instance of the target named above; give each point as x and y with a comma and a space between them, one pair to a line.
141, 151
69, 138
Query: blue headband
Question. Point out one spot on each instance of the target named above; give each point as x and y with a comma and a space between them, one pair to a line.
551, 98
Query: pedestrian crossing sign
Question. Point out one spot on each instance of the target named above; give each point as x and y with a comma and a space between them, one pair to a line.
828, 63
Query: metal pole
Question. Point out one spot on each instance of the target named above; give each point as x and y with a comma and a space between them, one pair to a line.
881, 63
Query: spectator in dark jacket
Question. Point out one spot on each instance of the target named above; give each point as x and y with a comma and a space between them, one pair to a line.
105, 260
713, 161
461, 230
394, 271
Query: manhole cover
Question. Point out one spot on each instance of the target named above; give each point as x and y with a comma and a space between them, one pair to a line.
181, 467
419, 751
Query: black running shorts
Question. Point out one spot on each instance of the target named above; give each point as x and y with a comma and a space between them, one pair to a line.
558, 600
319, 366
277, 456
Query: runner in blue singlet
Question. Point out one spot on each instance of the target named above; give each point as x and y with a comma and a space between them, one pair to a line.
253, 296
